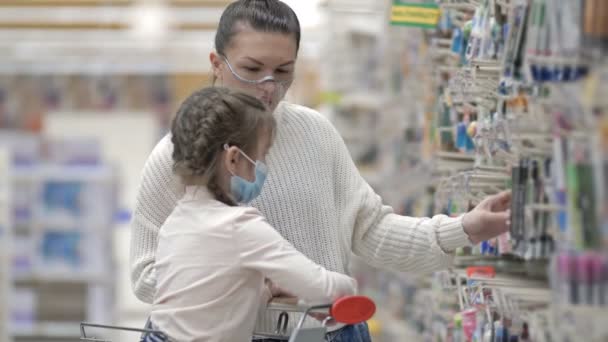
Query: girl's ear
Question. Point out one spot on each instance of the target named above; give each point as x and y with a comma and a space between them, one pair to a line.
231, 158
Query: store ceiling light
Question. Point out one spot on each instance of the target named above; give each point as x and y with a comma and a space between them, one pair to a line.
150, 20
307, 11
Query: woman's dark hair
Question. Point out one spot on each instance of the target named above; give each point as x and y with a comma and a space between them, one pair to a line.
208, 119
262, 15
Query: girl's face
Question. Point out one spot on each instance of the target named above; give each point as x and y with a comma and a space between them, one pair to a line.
235, 163
252, 56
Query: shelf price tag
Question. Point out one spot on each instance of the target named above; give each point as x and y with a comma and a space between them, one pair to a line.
425, 15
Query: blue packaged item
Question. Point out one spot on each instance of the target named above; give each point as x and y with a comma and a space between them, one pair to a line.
562, 215
535, 72
470, 145
499, 332
545, 74
488, 249
581, 72
62, 247
63, 196
484, 247
461, 136
457, 41
558, 74
568, 73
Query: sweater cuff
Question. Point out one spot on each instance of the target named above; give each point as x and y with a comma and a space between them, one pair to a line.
451, 235
145, 292
266, 296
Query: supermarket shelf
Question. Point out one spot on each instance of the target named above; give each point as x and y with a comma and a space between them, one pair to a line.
6, 244
23, 173
72, 173
455, 156
63, 277
71, 223
535, 269
393, 329
54, 330
46, 287
78, 172
505, 281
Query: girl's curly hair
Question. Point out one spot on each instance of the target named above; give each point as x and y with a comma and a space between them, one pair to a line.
208, 119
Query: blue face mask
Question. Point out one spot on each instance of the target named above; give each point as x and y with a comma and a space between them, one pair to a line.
244, 191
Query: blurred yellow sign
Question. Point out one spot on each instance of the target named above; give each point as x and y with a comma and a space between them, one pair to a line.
425, 15
330, 97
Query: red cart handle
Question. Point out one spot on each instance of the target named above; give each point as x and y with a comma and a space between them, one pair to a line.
352, 309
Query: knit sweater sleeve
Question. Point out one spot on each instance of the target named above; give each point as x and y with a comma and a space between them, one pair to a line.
263, 249
157, 196
385, 239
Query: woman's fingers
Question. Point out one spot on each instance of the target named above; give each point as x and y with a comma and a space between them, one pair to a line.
500, 201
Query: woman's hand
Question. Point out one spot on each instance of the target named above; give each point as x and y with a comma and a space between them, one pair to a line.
489, 218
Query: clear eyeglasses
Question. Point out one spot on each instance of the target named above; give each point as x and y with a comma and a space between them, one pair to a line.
250, 77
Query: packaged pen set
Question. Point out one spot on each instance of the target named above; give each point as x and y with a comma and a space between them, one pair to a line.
530, 209
564, 37
559, 198
579, 270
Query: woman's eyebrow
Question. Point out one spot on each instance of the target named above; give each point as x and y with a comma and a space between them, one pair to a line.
288, 63
254, 60
260, 63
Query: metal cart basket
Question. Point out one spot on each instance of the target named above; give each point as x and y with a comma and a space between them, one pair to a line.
346, 310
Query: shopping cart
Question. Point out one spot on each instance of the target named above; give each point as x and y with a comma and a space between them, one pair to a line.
346, 310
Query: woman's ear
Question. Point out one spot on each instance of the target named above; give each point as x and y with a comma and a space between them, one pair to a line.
216, 63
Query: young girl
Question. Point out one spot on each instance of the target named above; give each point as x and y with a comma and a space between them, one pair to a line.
213, 256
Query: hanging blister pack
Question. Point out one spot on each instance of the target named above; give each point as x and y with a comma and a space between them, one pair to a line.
518, 202
554, 49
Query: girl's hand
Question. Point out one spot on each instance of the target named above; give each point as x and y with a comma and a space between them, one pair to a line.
277, 291
285, 300
278, 295
319, 316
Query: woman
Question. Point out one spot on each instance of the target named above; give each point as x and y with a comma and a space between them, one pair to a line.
314, 195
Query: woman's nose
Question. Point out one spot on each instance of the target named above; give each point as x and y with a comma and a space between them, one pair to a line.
269, 87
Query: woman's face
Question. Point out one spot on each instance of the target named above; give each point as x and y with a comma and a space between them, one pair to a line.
254, 55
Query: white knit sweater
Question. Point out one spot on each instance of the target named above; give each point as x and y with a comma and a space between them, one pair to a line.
315, 197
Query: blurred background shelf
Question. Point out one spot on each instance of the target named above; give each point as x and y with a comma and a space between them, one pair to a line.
88, 87
52, 330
